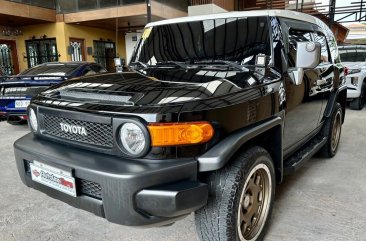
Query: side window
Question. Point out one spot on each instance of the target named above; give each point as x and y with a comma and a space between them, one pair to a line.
324, 55
294, 37
331, 42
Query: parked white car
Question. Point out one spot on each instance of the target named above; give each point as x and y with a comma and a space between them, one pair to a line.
354, 58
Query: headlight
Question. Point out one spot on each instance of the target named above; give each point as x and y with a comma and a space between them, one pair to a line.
33, 120
132, 138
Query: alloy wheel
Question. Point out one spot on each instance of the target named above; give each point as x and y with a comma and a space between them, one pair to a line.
254, 203
336, 131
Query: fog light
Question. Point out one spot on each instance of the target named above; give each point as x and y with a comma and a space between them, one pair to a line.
33, 120
354, 81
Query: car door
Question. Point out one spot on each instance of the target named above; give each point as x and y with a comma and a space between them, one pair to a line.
303, 101
325, 83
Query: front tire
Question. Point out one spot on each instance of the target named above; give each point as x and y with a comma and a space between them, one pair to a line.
240, 199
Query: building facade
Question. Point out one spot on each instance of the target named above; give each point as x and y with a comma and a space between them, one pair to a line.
357, 33
38, 31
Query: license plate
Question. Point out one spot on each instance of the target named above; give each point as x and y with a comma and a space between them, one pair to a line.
22, 103
53, 177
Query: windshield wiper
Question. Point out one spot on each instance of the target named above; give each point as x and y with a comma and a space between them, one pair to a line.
237, 66
176, 63
226, 62
145, 66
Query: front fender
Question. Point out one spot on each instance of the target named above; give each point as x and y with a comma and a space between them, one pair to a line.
220, 154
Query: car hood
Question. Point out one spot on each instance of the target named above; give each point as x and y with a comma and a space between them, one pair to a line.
156, 90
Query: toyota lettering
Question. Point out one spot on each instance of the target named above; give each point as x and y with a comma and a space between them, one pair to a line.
73, 129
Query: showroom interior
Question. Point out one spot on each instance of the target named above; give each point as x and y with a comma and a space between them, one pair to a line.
78, 76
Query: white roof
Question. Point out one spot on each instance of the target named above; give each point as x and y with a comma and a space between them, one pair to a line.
353, 46
280, 13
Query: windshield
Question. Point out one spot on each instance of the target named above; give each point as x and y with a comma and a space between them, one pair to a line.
54, 70
238, 40
353, 54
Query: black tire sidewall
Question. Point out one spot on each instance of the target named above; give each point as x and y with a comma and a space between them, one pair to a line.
362, 97
358, 103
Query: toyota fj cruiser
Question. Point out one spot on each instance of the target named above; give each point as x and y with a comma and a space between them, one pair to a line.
216, 110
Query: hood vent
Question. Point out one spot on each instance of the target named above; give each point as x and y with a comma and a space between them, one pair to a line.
125, 99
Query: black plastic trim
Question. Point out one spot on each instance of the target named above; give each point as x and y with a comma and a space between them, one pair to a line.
173, 199
220, 154
332, 100
306, 156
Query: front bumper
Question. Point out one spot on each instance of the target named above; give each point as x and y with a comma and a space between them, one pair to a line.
353, 93
133, 192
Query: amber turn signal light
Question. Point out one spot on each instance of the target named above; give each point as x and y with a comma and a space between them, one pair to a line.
171, 134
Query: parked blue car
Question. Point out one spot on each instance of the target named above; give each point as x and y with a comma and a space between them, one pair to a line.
17, 91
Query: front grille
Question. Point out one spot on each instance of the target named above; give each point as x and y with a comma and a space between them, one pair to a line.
27, 168
89, 188
98, 134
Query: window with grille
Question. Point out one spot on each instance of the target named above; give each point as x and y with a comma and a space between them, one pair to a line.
41, 51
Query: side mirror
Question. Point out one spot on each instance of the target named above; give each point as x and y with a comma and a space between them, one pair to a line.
307, 57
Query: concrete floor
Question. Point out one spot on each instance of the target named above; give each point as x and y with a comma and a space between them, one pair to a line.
324, 201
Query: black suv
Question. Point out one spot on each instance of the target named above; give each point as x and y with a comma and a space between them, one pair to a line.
216, 110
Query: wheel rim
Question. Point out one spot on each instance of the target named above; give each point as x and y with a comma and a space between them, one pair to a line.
336, 131
254, 203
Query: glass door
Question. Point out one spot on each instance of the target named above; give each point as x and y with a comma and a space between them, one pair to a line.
77, 48
8, 57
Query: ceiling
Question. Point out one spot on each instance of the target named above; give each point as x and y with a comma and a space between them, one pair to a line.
15, 21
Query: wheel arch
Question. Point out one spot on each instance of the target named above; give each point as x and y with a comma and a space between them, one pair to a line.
267, 134
338, 96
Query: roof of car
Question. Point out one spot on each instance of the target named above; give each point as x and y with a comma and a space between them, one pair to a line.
352, 46
254, 13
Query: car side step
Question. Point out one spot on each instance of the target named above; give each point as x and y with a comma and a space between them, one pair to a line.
303, 155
